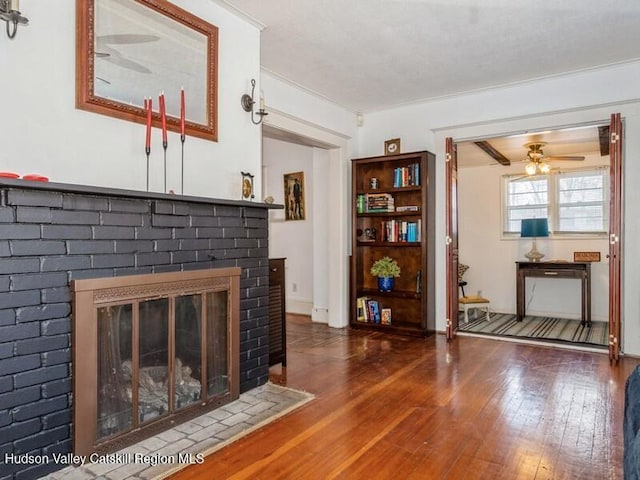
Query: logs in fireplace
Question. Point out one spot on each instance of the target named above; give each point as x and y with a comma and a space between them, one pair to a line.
151, 350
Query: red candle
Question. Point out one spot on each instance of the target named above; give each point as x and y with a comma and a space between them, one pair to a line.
149, 107
163, 118
182, 113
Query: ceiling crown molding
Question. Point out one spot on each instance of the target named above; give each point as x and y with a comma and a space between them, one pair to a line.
241, 14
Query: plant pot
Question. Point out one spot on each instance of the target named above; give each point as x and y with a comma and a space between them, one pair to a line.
385, 284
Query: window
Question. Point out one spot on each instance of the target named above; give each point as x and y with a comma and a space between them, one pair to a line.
575, 201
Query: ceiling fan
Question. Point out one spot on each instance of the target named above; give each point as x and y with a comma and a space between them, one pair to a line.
104, 50
536, 160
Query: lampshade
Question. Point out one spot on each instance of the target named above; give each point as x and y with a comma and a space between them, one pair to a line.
534, 227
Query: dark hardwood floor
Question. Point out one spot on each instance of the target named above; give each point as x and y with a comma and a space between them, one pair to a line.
391, 407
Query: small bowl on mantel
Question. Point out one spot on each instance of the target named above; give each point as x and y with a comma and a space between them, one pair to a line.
9, 175
34, 177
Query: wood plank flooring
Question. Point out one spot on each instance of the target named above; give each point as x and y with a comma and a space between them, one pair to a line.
391, 407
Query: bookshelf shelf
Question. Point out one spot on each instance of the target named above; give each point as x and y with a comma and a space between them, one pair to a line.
406, 236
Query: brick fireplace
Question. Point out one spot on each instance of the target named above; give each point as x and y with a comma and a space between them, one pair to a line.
53, 234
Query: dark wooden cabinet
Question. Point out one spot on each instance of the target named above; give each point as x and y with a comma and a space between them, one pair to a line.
393, 200
277, 313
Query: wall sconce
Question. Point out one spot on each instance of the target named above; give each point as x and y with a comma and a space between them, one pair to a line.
10, 13
248, 102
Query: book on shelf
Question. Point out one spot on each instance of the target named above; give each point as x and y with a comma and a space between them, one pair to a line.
400, 231
408, 208
385, 318
408, 176
360, 312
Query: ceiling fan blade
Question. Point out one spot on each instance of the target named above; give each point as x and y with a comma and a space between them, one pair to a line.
564, 157
126, 63
493, 153
126, 39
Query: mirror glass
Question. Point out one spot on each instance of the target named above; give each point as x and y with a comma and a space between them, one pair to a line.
133, 49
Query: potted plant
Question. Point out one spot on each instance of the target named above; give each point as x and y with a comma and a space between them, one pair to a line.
385, 269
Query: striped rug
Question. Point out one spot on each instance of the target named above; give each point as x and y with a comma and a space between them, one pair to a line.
547, 328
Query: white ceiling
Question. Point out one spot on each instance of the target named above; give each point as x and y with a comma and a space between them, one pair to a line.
369, 55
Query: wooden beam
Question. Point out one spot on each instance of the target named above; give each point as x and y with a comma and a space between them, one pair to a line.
493, 153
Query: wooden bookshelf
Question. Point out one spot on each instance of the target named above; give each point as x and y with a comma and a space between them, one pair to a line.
404, 181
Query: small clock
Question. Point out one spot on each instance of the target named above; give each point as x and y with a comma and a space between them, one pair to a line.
391, 147
247, 186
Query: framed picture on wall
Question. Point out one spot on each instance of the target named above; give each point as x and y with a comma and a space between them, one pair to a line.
294, 206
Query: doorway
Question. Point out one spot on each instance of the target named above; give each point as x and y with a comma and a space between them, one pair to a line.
495, 192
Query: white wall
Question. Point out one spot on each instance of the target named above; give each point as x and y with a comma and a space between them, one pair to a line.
292, 239
492, 257
42, 132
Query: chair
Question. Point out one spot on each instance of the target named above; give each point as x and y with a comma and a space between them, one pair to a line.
471, 302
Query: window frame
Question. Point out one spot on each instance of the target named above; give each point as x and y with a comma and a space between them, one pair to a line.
553, 205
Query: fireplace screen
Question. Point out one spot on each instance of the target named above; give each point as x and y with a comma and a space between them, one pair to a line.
161, 354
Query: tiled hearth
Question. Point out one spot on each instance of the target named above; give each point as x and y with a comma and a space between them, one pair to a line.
52, 234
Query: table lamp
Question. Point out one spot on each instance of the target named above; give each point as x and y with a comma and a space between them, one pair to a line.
534, 228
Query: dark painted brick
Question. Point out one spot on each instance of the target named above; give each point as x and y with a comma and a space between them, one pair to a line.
6, 385
166, 245
123, 219
84, 202
133, 246
32, 281
19, 397
255, 223
168, 221
180, 208
183, 257
197, 221
37, 247
6, 349
235, 232
247, 242
120, 205
78, 247
194, 244
115, 233
227, 211
259, 252
17, 231
159, 206
256, 212
60, 447
247, 263
46, 311
56, 295
259, 352
5, 419
153, 233
33, 215
155, 258
41, 344
67, 232
19, 265
4, 283
166, 268
74, 217
12, 365
209, 232
34, 198
39, 408
56, 387
56, 357
258, 233
55, 327
113, 260
40, 376
19, 299
56, 419
66, 262
6, 215
258, 332
230, 221
200, 209
228, 243
121, 272
21, 429
41, 439
92, 273
5, 251
180, 233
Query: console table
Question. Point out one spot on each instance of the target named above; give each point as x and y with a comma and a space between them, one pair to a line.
580, 270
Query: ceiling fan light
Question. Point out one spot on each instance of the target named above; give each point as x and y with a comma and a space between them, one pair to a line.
530, 168
545, 167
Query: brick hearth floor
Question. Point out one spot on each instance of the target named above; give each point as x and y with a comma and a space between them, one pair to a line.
202, 435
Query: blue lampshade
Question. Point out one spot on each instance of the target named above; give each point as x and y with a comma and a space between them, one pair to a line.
534, 227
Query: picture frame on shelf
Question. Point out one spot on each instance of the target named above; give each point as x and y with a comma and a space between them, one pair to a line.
295, 208
392, 146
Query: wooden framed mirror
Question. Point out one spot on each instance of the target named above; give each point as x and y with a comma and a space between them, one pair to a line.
127, 50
